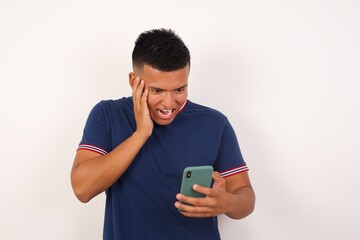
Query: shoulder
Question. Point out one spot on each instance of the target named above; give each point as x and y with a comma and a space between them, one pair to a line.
107, 110
108, 106
113, 103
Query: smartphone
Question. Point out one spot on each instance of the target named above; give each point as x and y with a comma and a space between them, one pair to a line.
201, 175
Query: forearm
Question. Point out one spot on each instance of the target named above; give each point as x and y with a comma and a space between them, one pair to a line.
241, 203
93, 176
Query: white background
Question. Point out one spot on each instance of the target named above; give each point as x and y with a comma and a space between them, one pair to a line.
286, 73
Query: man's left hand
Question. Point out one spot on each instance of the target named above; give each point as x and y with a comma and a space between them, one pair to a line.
216, 202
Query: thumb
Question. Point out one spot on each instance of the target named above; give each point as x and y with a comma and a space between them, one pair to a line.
217, 178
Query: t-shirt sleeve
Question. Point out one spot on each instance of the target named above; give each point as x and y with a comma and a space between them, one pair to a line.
229, 160
96, 135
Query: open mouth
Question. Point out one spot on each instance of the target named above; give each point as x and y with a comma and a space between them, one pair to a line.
165, 113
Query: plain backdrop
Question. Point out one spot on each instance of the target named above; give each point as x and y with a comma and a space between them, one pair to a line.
285, 72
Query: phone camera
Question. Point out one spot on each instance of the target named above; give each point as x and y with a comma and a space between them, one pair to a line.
188, 174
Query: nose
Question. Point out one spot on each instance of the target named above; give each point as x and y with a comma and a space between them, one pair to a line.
168, 100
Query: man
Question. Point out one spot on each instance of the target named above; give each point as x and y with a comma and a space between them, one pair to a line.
135, 149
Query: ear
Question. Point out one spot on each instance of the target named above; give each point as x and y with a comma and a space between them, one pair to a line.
131, 78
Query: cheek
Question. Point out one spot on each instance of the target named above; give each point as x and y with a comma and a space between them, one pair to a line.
152, 101
181, 98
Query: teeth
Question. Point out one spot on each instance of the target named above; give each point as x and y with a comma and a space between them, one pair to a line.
165, 112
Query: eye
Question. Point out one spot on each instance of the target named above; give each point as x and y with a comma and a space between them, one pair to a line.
180, 90
155, 90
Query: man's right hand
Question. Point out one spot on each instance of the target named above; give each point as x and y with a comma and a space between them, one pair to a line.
144, 123
92, 173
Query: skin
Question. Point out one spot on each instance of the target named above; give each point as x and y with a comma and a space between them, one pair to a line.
158, 97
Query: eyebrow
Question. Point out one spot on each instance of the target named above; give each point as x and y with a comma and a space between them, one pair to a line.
156, 88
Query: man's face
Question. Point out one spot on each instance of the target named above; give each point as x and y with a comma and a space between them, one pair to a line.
167, 92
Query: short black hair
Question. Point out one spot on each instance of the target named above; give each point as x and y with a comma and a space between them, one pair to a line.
161, 49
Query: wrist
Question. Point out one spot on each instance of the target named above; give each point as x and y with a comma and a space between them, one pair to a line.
142, 135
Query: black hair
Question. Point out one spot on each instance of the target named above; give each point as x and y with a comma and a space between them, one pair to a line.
161, 49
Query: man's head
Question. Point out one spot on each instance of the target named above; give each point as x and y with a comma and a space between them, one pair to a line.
161, 49
162, 60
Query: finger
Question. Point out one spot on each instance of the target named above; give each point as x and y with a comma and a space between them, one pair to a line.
144, 97
135, 87
198, 202
135, 83
216, 175
193, 211
139, 89
218, 180
198, 215
201, 189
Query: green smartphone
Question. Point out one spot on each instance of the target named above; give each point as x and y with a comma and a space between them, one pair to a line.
201, 175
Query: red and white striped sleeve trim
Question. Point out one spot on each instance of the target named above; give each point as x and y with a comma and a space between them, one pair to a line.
234, 171
92, 148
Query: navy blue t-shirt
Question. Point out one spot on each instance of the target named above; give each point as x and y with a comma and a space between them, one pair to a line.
140, 204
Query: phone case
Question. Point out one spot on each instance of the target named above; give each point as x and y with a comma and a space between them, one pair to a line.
201, 175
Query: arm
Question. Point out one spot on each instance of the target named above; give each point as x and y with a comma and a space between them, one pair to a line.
242, 194
93, 173
232, 196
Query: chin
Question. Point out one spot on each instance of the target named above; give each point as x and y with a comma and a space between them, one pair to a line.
163, 122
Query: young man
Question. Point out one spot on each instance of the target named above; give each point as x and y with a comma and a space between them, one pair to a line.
135, 149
